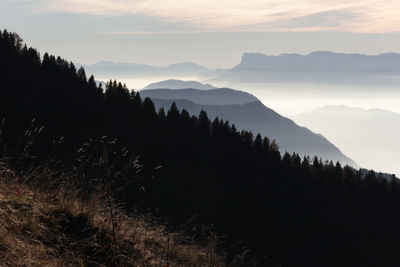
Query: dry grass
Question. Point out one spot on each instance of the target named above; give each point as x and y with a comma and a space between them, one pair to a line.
36, 230
52, 214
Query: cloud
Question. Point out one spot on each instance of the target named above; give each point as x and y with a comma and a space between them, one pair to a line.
155, 32
328, 19
252, 15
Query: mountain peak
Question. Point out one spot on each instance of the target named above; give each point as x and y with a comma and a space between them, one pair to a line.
178, 84
318, 61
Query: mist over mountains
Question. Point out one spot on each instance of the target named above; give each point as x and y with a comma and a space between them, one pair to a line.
315, 61
255, 69
315, 80
371, 137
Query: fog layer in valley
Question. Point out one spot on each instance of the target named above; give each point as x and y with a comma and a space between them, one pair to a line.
293, 99
370, 137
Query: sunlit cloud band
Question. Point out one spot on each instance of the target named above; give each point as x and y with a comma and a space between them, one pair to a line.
366, 16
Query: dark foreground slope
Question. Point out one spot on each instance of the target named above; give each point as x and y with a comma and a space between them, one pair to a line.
254, 116
40, 229
277, 210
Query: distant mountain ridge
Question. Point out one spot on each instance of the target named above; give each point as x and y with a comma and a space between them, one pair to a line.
179, 84
320, 61
252, 116
119, 68
319, 67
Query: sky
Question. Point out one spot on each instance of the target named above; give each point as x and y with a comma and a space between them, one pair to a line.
211, 33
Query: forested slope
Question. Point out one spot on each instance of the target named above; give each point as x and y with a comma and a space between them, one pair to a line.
258, 118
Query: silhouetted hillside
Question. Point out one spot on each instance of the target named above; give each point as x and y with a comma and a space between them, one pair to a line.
219, 96
252, 116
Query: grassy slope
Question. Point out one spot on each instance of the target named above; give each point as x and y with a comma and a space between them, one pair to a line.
36, 230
